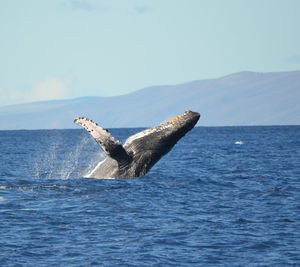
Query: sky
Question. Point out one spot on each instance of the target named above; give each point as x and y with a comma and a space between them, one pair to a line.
60, 49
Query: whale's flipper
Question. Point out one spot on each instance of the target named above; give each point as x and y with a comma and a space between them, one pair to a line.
111, 146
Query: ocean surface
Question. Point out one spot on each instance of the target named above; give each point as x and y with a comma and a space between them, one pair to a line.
224, 196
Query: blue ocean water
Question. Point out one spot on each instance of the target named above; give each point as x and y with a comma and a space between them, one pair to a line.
209, 202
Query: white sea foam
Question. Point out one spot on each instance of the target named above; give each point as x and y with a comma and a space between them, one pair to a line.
239, 143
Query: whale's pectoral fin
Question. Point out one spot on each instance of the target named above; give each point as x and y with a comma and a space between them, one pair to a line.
111, 146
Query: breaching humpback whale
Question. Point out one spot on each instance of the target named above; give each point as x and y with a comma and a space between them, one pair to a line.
141, 150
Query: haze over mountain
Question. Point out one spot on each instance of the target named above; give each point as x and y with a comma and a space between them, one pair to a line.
244, 98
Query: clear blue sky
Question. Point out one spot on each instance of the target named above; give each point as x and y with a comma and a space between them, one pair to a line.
53, 49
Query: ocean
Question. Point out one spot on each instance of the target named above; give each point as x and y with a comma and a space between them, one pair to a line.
224, 196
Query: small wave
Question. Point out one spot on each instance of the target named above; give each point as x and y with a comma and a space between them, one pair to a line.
239, 143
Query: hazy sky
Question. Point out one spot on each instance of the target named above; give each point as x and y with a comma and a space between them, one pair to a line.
52, 49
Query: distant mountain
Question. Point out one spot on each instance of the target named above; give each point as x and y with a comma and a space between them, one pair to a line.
245, 98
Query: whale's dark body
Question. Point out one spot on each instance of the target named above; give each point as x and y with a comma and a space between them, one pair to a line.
140, 151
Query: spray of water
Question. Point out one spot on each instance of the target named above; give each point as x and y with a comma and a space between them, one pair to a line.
50, 160
70, 163
61, 161
93, 163
44, 162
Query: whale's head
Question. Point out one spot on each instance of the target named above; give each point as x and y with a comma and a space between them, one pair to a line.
178, 126
148, 146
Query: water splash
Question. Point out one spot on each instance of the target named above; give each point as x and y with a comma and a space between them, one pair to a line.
93, 164
64, 161
44, 163
50, 160
70, 163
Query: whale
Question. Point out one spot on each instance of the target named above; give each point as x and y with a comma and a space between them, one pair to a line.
140, 151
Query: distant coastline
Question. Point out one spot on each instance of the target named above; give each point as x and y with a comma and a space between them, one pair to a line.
240, 99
